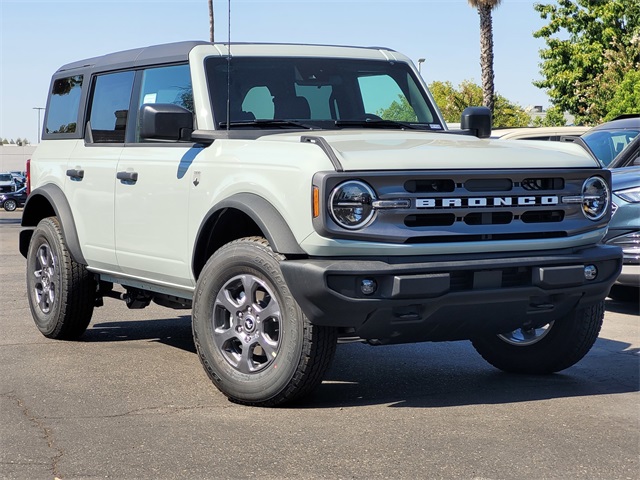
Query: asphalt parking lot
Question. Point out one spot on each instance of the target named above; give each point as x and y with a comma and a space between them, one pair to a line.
131, 401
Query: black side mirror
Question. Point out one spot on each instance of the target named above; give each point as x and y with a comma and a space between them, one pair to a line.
478, 120
165, 121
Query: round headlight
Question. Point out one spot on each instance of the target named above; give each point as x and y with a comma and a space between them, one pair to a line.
595, 198
351, 204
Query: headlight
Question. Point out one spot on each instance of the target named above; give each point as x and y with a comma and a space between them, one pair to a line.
351, 204
595, 198
631, 195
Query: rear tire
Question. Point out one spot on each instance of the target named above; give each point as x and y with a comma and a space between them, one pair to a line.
61, 291
253, 340
548, 349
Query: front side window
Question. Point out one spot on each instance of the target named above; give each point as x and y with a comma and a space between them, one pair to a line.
110, 107
315, 92
64, 102
171, 84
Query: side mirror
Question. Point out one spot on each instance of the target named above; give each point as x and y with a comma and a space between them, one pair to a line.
165, 121
478, 120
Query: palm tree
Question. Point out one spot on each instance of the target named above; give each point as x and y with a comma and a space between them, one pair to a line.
211, 21
486, 48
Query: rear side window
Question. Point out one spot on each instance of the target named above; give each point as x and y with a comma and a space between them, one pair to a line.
64, 102
110, 107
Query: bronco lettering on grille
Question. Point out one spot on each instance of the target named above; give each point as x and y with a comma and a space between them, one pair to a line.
486, 202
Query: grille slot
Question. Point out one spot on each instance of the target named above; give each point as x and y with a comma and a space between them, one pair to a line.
485, 238
489, 185
488, 218
429, 185
543, 184
543, 216
430, 220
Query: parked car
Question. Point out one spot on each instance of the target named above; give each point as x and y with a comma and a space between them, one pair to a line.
12, 200
616, 144
7, 184
608, 140
558, 134
624, 227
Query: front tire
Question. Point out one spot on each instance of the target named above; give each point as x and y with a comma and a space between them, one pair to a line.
253, 340
61, 291
548, 349
10, 205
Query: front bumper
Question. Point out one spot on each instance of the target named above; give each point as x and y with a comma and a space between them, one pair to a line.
449, 298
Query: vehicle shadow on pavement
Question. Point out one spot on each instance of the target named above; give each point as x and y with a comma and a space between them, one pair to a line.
431, 375
422, 375
175, 332
627, 302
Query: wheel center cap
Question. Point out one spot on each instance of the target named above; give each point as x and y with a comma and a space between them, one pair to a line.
249, 323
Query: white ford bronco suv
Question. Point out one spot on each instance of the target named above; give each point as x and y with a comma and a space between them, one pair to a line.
296, 196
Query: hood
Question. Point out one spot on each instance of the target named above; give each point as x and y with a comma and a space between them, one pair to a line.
409, 150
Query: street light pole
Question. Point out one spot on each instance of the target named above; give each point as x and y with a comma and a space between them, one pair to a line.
420, 62
39, 110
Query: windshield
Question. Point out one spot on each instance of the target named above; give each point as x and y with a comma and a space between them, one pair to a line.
6, 177
607, 144
316, 93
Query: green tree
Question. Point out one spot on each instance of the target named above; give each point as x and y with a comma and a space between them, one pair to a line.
591, 46
399, 111
554, 118
627, 96
453, 101
484, 8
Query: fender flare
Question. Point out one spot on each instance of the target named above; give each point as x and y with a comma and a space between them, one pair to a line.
34, 211
265, 216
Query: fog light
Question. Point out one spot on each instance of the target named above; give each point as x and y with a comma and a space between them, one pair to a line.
590, 272
368, 286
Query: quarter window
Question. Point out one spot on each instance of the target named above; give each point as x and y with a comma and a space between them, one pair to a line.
110, 107
64, 101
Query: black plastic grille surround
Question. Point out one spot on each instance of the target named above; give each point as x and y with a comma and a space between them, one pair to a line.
467, 205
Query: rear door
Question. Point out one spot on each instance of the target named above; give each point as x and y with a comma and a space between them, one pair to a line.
91, 169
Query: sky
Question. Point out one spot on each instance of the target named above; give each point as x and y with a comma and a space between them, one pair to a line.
39, 36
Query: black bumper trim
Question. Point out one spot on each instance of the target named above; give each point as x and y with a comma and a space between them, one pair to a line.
449, 299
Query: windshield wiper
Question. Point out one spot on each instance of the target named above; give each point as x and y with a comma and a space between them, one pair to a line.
266, 123
369, 123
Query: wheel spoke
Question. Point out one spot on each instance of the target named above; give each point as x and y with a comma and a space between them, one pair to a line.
43, 257
272, 310
249, 286
221, 337
42, 302
245, 365
225, 301
268, 347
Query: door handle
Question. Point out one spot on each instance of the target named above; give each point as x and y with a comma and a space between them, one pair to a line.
75, 174
131, 177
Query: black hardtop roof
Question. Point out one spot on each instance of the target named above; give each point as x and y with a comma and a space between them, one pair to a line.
164, 53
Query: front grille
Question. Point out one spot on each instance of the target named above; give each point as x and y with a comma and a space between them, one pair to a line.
467, 206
